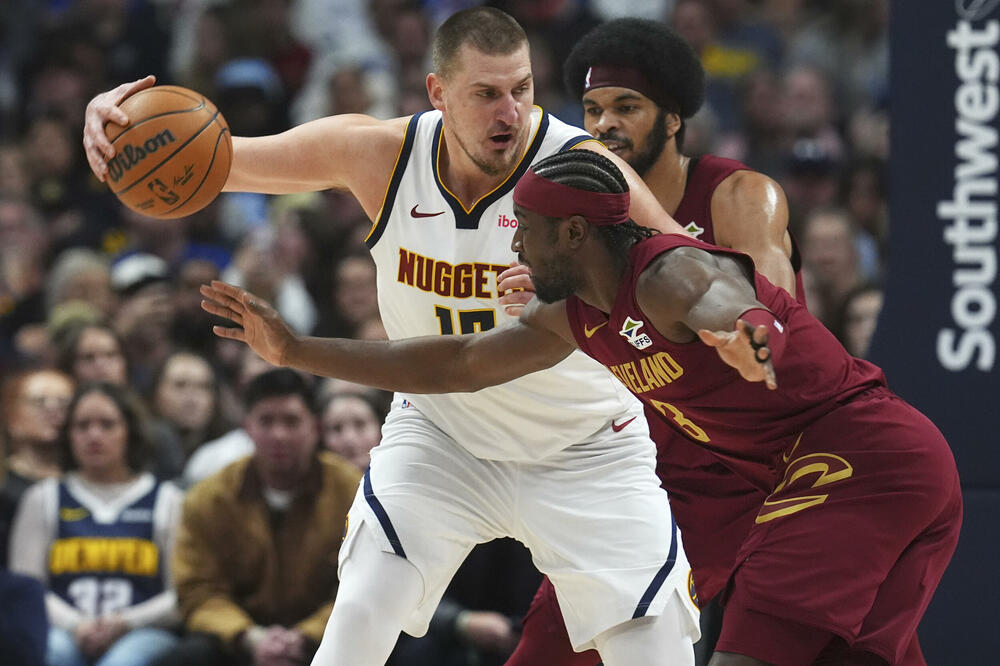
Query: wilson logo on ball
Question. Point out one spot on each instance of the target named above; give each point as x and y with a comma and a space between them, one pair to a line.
129, 156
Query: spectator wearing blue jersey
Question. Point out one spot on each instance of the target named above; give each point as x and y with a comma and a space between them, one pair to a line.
99, 538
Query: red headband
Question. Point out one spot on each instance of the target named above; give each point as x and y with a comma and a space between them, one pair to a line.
605, 76
551, 199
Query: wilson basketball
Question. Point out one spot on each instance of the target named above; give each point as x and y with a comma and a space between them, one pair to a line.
173, 157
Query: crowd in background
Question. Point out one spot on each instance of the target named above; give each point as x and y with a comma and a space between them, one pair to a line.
92, 294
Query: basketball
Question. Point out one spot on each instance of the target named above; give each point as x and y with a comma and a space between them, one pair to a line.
173, 157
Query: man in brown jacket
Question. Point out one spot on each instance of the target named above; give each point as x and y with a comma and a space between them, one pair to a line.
255, 564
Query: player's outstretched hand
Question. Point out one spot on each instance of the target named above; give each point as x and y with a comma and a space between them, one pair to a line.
744, 349
261, 327
518, 279
101, 110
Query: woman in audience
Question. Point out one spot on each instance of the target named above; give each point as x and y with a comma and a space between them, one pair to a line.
186, 397
352, 426
100, 538
32, 409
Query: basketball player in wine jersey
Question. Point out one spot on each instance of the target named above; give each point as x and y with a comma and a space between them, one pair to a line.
639, 81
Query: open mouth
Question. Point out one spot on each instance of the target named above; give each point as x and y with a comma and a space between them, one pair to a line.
616, 147
501, 140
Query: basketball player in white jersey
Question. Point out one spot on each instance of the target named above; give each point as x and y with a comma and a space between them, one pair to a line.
560, 460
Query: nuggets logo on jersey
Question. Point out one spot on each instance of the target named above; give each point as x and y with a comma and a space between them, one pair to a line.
464, 280
692, 592
101, 565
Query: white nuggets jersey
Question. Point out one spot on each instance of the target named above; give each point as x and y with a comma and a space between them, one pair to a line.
437, 274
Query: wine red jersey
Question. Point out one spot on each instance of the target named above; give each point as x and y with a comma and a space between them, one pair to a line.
746, 425
694, 212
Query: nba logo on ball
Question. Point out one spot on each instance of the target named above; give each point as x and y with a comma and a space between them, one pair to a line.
173, 158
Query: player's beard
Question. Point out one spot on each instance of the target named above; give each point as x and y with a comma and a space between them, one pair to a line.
500, 165
652, 146
560, 280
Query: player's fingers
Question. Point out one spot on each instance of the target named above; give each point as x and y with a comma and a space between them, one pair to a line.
230, 292
515, 269
222, 311
713, 339
127, 89
769, 377
221, 297
744, 327
230, 333
257, 307
514, 310
760, 335
516, 298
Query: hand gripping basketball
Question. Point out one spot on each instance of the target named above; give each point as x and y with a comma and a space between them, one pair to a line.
170, 148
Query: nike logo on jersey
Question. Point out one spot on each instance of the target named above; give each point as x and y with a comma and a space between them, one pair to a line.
589, 332
415, 213
785, 457
618, 427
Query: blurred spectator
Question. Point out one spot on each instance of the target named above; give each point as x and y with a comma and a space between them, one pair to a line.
185, 396
343, 84
236, 444
251, 96
811, 180
15, 181
864, 194
808, 110
193, 326
830, 253
145, 313
654, 10
199, 45
23, 246
269, 268
355, 296
24, 627
760, 141
850, 42
80, 274
740, 45
99, 538
93, 352
351, 425
32, 408
858, 318
287, 503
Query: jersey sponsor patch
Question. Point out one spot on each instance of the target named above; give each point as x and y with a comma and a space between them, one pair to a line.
630, 331
693, 229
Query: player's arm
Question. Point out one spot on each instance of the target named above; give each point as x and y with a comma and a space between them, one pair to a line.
691, 294
430, 364
750, 214
319, 155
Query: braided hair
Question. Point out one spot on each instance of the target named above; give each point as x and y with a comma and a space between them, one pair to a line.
592, 172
